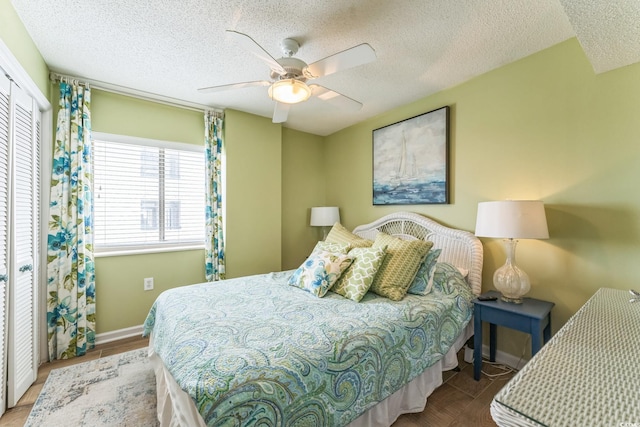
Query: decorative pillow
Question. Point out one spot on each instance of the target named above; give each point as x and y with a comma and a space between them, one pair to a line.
356, 281
423, 281
448, 280
399, 266
320, 272
336, 248
339, 234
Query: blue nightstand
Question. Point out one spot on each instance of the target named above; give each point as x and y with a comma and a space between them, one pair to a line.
533, 316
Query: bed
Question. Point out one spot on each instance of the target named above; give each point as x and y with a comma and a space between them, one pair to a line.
257, 351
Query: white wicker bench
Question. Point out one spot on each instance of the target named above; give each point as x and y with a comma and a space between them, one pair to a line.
587, 375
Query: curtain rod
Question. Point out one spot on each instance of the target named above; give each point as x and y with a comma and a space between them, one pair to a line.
135, 93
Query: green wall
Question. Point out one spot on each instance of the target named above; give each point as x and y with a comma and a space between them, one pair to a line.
253, 211
16, 38
303, 186
253, 202
545, 127
121, 301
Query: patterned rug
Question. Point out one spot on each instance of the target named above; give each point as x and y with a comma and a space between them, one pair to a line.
118, 390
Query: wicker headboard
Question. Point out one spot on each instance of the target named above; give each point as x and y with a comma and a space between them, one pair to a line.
460, 248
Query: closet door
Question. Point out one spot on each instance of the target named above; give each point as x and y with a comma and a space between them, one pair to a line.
4, 226
22, 360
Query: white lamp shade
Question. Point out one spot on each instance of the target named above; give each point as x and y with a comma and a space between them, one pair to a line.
324, 216
512, 219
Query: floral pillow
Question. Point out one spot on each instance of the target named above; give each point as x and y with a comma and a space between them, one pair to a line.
356, 281
423, 281
339, 234
320, 272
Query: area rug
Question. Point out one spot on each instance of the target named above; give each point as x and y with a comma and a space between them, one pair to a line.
118, 390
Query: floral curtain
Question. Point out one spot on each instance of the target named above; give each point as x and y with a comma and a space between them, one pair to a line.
70, 263
214, 242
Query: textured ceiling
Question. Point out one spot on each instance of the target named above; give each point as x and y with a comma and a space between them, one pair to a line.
174, 47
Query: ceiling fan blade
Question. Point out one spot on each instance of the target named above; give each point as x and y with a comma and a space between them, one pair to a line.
220, 88
281, 112
252, 46
335, 98
357, 55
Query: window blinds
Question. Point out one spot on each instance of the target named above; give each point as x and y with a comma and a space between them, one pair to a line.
147, 195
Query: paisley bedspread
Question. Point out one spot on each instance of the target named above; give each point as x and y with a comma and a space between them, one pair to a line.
255, 351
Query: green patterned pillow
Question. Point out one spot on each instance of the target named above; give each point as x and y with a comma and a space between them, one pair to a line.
320, 272
423, 281
356, 281
336, 248
339, 234
399, 266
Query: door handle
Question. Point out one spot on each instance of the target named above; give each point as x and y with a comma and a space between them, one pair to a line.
27, 267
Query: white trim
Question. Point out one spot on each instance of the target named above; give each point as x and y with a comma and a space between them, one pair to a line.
103, 253
14, 69
120, 334
135, 140
508, 359
46, 154
136, 93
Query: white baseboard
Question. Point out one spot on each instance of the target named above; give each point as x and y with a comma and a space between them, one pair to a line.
134, 331
501, 357
508, 359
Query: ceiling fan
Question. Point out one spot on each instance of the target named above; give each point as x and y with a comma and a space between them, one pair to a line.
289, 75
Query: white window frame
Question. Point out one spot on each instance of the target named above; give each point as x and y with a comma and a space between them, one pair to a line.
107, 251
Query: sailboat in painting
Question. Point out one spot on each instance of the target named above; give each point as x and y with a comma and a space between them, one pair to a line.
407, 166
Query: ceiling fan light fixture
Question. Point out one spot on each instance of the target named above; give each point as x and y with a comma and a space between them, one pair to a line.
290, 91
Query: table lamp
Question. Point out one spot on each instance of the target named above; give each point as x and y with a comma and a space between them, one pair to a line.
510, 220
324, 217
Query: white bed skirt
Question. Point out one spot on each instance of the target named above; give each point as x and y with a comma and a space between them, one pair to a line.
176, 409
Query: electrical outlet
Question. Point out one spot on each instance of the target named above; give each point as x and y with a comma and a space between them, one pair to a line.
148, 283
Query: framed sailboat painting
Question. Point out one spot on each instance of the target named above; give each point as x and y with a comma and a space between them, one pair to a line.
411, 160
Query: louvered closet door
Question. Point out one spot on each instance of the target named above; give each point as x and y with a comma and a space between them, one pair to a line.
4, 205
22, 364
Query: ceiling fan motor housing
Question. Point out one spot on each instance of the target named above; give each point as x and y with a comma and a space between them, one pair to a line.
293, 66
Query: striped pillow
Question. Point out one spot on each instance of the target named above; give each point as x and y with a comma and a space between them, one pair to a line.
339, 234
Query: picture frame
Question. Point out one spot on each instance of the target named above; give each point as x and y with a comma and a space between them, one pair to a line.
411, 160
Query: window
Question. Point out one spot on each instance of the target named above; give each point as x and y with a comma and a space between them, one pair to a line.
148, 194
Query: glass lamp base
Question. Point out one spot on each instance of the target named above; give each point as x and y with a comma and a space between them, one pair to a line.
511, 300
510, 280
